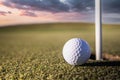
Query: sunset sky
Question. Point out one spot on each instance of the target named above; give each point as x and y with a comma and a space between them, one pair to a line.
44, 11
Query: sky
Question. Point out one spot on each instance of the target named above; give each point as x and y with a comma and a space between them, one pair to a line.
45, 11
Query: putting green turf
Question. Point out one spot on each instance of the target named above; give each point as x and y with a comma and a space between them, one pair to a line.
33, 52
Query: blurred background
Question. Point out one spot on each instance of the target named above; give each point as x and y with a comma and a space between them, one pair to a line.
46, 11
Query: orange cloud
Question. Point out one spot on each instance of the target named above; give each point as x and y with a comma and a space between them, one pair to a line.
28, 13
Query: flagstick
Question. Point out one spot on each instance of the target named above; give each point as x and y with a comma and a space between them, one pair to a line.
98, 29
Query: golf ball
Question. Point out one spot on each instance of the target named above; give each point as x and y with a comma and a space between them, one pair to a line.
76, 51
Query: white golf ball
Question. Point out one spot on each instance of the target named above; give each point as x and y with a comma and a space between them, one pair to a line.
76, 51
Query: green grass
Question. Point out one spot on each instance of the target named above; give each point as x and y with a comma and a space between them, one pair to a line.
34, 52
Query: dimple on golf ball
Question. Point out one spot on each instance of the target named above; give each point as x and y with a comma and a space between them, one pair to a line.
76, 51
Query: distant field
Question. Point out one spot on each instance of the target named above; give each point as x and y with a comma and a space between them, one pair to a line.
33, 52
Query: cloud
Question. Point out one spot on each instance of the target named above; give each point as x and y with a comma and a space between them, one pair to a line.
28, 13
111, 6
4, 13
30, 7
63, 5
51, 5
113, 18
79, 5
40, 5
